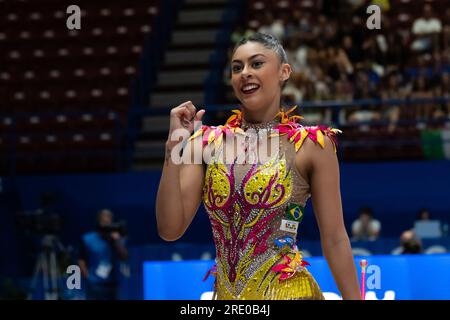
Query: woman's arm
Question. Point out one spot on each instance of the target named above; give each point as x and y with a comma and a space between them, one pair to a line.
180, 187
322, 168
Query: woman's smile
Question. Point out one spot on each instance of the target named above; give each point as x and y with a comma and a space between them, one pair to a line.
250, 88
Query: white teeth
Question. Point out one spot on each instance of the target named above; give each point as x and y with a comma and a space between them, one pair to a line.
250, 87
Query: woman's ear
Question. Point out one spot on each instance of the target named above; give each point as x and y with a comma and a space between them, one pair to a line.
286, 71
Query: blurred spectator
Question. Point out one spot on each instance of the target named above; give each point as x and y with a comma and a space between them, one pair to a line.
423, 215
363, 90
302, 22
425, 29
392, 90
366, 227
427, 227
373, 47
324, 30
272, 26
446, 30
353, 51
442, 89
363, 114
297, 54
343, 89
421, 90
357, 29
337, 63
292, 93
101, 252
355, 4
410, 243
396, 52
322, 85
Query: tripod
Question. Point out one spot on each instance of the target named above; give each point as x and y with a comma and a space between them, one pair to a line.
47, 267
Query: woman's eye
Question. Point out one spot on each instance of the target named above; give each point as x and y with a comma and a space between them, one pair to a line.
257, 64
236, 68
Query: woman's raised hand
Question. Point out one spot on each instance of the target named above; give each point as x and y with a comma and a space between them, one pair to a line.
183, 117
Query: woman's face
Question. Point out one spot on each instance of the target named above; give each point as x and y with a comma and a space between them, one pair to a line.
257, 75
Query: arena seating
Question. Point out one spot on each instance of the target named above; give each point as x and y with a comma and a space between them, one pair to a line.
68, 91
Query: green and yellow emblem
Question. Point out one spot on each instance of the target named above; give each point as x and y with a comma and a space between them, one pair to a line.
294, 212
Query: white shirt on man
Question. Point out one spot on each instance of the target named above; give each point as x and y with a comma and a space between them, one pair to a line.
426, 26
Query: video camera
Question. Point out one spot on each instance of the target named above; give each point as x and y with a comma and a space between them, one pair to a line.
119, 227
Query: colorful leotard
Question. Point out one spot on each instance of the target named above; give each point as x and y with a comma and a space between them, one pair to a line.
255, 209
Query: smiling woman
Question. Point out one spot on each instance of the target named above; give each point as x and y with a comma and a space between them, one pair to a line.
255, 207
259, 65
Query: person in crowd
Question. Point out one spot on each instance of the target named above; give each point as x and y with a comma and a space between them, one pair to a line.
366, 227
409, 243
101, 254
426, 30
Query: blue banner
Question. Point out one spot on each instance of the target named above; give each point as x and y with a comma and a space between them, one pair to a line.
404, 277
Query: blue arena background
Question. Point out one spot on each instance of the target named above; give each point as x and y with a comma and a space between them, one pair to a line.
408, 277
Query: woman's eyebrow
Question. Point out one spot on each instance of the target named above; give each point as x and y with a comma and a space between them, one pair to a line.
253, 56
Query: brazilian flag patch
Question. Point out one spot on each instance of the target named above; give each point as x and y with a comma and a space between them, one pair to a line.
294, 212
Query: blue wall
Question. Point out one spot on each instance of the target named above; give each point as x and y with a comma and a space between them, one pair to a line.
395, 190
406, 277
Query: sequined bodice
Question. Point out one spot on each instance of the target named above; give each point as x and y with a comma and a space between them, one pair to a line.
248, 206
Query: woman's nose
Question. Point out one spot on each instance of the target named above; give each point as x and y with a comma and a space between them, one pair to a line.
245, 72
